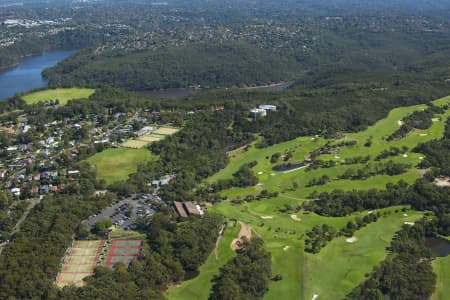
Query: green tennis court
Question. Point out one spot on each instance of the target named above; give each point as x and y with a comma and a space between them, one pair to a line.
88, 244
84, 251
81, 260
120, 244
126, 251
77, 269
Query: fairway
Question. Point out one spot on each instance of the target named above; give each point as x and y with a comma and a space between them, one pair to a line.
115, 164
294, 183
200, 286
338, 268
63, 95
441, 266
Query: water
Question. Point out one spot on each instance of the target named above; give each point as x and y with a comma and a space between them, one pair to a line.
439, 247
27, 75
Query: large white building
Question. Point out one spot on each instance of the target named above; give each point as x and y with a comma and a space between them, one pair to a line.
268, 107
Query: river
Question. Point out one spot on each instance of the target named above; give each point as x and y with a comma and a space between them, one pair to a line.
27, 75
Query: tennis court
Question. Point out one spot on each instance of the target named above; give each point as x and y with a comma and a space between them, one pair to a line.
123, 251
80, 262
126, 251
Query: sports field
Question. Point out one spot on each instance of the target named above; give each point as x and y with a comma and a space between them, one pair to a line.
155, 136
80, 262
123, 251
63, 95
116, 164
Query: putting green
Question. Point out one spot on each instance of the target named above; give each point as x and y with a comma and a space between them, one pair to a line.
63, 95
115, 164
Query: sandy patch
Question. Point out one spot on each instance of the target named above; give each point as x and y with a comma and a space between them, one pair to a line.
266, 217
442, 181
260, 173
286, 248
295, 218
421, 157
405, 215
423, 134
400, 122
405, 155
436, 120
273, 174
315, 297
351, 240
245, 231
409, 223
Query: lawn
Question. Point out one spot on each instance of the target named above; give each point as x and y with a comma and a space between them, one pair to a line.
441, 266
115, 164
63, 95
200, 286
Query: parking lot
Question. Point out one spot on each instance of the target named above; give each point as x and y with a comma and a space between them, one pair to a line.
123, 213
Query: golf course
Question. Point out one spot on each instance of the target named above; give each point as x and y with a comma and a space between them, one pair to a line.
283, 225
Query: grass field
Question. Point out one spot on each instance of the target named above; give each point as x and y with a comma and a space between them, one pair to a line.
63, 95
116, 164
293, 184
441, 266
200, 286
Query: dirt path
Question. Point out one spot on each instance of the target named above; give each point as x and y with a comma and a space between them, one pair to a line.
245, 231
33, 203
216, 250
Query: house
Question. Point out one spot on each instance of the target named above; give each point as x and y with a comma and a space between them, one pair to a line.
15, 192
179, 209
184, 209
34, 190
2, 174
7, 130
268, 107
257, 112
44, 189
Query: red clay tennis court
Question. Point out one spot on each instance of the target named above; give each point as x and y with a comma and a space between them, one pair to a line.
123, 251
80, 262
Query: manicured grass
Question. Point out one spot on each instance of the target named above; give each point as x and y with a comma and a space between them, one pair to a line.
339, 266
63, 95
441, 267
294, 184
200, 286
116, 164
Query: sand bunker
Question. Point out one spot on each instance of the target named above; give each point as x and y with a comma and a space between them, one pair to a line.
295, 218
409, 223
351, 240
400, 123
286, 248
442, 181
423, 134
315, 297
266, 217
246, 232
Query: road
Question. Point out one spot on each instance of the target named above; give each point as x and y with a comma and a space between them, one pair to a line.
33, 203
